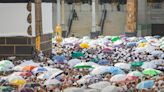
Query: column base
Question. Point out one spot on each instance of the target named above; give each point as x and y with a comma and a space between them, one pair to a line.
130, 34
94, 34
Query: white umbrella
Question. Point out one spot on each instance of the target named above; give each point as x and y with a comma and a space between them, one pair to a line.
52, 82
123, 66
91, 90
148, 65
73, 62
29, 63
73, 89
157, 53
43, 76
84, 79
56, 74
100, 70
11, 78
110, 89
118, 78
157, 62
18, 68
99, 85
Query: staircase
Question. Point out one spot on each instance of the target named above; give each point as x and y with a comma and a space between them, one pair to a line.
82, 26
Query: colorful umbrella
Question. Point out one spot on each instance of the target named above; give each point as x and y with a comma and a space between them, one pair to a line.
99, 85
84, 45
38, 70
115, 70
134, 75
11, 78
18, 82
103, 62
28, 68
137, 63
118, 78
83, 66
59, 59
145, 84
123, 66
100, 70
73, 62
6, 88
114, 39
110, 89
151, 72
28, 74
77, 54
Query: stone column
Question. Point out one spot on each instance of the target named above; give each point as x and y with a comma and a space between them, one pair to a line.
63, 19
58, 12
131, 17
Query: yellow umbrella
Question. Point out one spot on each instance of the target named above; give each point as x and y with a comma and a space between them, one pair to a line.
141, 44
84, 45
18, 82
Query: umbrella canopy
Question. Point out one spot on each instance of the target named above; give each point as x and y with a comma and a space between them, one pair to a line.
6, 63
115, 70
18, 82
77, 54
134, 75
114, 39
11, 78
58, 59
43, 76
73, 62
84, 45
73, 89
52, 82
91, 90
110, 89
148, 65
103, 62
100, 70
123, 66
38, 70
28, 74
145, 84
83, 65
29, 85
131, 44
151, 72
6, 88
18, 68
28, 68
118, 78
99, 85
137, 63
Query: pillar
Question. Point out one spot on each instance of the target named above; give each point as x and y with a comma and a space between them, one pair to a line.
131, 18
58, 12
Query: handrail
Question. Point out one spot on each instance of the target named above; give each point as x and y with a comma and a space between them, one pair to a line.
70, 21
102, 21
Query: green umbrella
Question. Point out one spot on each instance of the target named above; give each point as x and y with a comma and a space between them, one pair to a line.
114, 39
2, 68
6, 88
77, 54
83, 66
151, 72
94, 60
136, 64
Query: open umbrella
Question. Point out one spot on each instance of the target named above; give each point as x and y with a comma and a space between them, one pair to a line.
83, 65
99, 85
137, 63
27, 74
115, 70
52, 82
123, 66
103, 62
43, 76
6, 88
100, 70
114, 39
59, 59
118, 78
77, 54
18, 82
84, 45
28, 68
27, 90
145, 84
151, 72
11, 78
134, 75
39, 70
110, 89
148, 65
17, 68
29, 85
73, 89
73, 62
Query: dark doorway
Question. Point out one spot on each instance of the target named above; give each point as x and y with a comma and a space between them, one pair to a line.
158, 29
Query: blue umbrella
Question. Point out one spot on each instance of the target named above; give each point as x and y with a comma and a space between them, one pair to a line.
131, 44
59, 58
103, 62
39, 70
115, 70
145, 84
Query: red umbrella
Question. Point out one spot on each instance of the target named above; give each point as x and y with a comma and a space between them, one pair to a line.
26, 74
